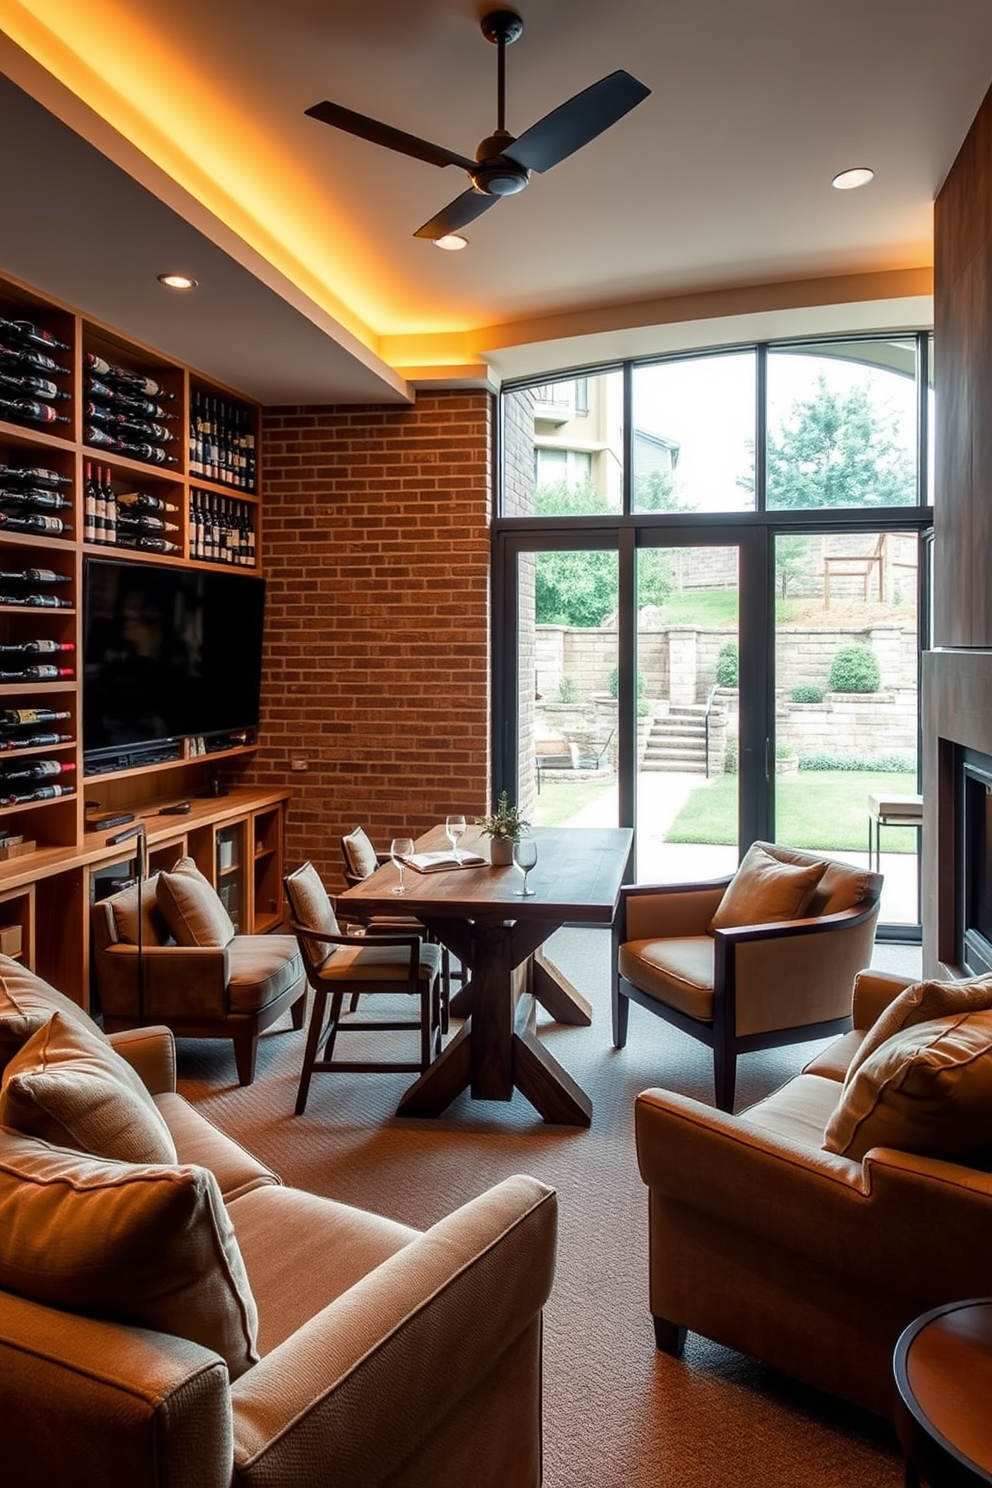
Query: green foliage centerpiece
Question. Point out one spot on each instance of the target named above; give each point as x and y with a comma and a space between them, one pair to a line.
504, 825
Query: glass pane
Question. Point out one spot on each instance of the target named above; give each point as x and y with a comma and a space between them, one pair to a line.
567, 706
846, 724
842, 425
687, 713
693, 437
563, 447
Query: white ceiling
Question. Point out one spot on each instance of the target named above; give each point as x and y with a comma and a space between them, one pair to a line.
312, 286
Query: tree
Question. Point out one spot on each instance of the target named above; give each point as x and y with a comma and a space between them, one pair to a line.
838, 449
579, 587
792, 554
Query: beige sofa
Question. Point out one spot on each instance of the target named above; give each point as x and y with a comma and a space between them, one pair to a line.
812, 1260
198, 1323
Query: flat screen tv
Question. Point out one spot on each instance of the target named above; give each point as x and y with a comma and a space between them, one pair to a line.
168, 654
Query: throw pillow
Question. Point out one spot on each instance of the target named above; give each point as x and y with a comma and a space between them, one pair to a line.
15, 1030
151, 1247
919, 1004
124, 908
311, 907
68, 1085
360, 853
21, 991
927, 1090
192, 909
764, 889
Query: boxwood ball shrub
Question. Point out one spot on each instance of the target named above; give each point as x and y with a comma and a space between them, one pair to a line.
728, 665
855, 669
806, 692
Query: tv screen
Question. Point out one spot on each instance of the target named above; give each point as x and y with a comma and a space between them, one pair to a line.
168, 653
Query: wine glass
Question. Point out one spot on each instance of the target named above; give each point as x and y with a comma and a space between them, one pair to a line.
454, 826
400, 848
525, 858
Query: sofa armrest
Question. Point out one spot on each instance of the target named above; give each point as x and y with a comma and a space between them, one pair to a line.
151, 1053
873, 991
427, 1370
658, 911
125, 1405
187, 982
872, 1223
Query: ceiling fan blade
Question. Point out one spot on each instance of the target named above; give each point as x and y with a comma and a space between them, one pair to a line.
572, 125
457, 214
384, 134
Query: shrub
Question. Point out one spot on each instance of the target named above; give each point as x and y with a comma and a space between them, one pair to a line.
730, 755
568, 691
728, 665
614, 685
889, 764
855, 669
806, 692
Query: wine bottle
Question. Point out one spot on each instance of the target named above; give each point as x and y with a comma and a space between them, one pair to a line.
140, 522
25, 332
29, 496
147, 544
34, 522
25, 356
120, 401
39, 647
33, 576
109, 506
41, 672
41, 602
36, 769
143, 501
43, 793
125, 377
25, 408
27, 717
34, 741
37, 387
123, 422
136, 450
33, 475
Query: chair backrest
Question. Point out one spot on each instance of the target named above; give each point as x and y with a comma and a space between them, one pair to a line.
311, 908
359, 856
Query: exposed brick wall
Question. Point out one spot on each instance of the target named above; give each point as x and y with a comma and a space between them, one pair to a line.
376, 547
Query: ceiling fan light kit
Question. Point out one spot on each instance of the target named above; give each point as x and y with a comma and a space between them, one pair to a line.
503, 162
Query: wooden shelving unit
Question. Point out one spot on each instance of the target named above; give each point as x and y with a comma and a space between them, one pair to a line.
47, 892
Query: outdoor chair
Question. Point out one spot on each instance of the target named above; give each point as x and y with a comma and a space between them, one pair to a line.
764, 958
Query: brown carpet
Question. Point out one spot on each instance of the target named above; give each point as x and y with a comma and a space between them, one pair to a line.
617, 1414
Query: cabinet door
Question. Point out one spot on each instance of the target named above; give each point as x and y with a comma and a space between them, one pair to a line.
17, 921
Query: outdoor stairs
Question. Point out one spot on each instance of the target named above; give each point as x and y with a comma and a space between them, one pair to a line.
677, 740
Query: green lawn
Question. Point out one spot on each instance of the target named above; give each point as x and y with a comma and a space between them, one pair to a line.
821, 810
560, 800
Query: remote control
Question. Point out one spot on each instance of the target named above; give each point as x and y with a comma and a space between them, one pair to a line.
181, 808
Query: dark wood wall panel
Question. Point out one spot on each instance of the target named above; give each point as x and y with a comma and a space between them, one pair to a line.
963, 336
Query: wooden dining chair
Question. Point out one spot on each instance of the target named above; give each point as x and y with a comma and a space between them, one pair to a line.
342, 966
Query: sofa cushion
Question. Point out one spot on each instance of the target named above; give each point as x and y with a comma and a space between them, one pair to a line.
67, 1085
310, 906
919, 1004
766, 889
124, 908
260, 969
926, 1090
15, 1030
198, 1141
191, 906
148, 1246
21, 991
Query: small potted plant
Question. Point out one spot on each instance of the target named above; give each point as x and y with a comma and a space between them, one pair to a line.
504, 825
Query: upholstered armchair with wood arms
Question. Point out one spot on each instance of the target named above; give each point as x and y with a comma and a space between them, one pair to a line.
764, 958
188, 969
811, 1228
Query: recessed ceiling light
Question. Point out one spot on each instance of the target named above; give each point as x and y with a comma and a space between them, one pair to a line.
451, 241
849, 179
177, 281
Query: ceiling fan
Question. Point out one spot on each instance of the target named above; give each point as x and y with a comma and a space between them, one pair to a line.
503, 162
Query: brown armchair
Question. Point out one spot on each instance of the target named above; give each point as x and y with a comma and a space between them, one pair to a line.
232, 988
783, 975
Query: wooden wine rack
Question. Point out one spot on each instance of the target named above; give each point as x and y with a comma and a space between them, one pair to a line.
45, 892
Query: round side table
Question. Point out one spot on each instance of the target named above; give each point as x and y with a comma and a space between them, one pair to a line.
943, 1373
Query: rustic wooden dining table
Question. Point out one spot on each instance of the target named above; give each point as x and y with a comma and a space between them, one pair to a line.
497, 936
